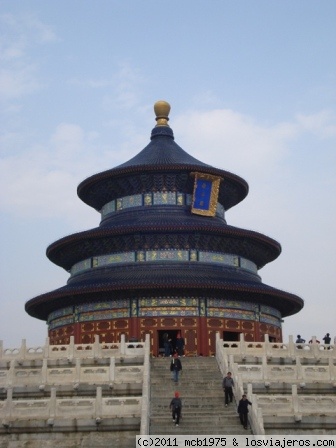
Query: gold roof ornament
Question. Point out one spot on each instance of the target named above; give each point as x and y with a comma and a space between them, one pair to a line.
162, 109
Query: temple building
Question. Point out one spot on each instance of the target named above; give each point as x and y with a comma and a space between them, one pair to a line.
163, 258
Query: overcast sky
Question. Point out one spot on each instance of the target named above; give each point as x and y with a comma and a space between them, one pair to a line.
252, 88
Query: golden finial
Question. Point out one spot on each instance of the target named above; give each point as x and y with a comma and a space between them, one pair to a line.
162, 109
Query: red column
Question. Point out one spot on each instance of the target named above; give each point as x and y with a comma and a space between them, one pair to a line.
202, 337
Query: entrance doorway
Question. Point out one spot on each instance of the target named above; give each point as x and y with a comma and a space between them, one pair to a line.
172, 334
231, 336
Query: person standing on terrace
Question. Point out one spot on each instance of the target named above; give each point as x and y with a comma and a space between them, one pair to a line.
327, 340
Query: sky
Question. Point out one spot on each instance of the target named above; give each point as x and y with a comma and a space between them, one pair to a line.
252, 88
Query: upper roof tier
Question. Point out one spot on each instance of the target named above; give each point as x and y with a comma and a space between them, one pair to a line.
161, 155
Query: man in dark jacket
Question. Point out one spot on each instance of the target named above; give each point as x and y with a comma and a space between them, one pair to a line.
176, 408
175, 367
327, 340
243, 410
228, 384
180, 344
166, 345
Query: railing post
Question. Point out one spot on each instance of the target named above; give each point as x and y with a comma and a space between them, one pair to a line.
52, 407
231, 362
147, 343
46, 348
291, 346
242, 344
221, 356
299, 370
295, 403
268, 346
78, 370
145, 408
23, 349
122, 345
72, 347
44, 370
96, 347
11, 373
332, 369
264, 368
99, 404
315, 347
9, 403
112, 369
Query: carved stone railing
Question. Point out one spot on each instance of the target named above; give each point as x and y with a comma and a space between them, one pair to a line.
72, 350
279, 349
297, 405
296, 373
75, 372
52, 408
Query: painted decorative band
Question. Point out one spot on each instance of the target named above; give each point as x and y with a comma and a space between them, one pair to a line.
155, 198
169, 255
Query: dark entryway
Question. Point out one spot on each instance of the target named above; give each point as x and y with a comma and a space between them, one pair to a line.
231, 336
171, 336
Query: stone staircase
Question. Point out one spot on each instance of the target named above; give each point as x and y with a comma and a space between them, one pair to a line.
200, 387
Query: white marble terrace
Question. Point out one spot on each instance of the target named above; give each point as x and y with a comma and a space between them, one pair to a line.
74, 387
305, 374
85, 387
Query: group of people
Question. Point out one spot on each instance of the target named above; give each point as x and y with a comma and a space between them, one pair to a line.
242, 410
169, 348
326, 340
228, 384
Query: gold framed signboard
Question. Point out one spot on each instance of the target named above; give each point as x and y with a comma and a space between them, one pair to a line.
205, 195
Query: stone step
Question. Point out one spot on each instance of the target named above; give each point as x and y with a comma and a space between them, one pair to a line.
194, 376
193, 432
204, 367
187, 385
196, 365
188, 394
191, 377
185, 379
209, 412
190, 400
198, 429
189, 365
192, 418
210, 362
192, 359
191, 369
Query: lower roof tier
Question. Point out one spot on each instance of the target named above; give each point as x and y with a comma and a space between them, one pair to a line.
160, 280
